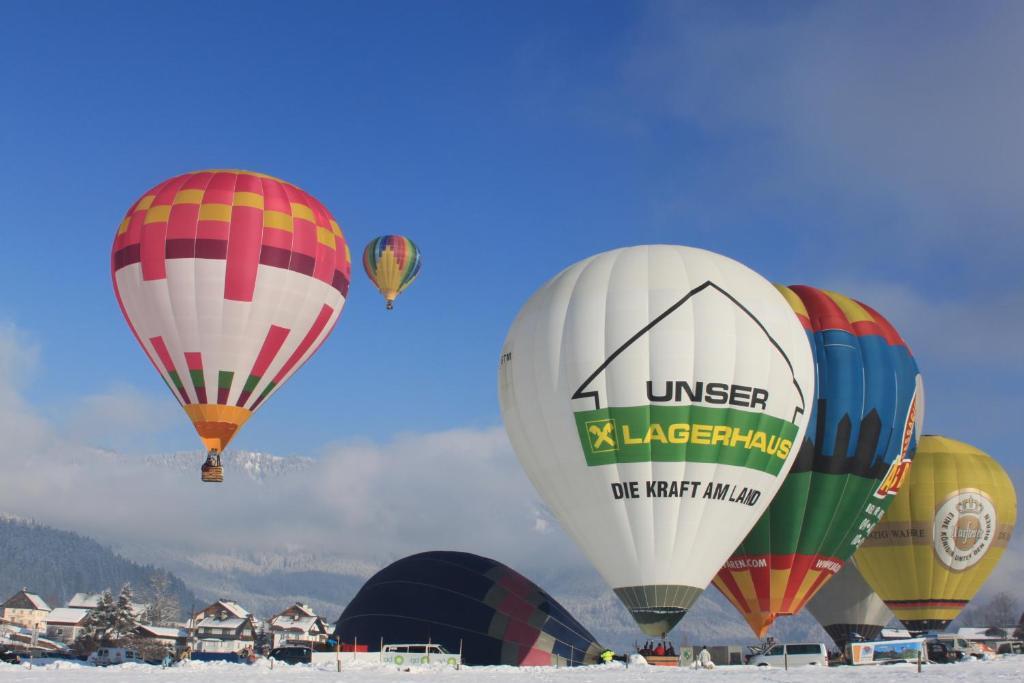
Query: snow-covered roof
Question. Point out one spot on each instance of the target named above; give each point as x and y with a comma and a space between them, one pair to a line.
67, 615
234, 608
37, 602
165, 631
987, 633
84, 600
23, 596
92, 600
286, 623
229, 606
210, 622
302, 608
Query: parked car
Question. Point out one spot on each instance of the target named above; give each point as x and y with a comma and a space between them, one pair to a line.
292, 654
792, 654
10, 657
942, 652
112, 656
1008, 647
963, 647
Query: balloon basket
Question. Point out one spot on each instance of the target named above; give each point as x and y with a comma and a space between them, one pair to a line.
213, 474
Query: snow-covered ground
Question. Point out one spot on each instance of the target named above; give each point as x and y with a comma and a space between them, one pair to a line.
1000, 669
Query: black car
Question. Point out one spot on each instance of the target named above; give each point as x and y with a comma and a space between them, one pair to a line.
940, 652
292, 654
10, 657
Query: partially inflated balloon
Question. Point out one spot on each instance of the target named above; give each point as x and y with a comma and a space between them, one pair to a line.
862, 433
847, 608
392, 262
230, 281
653, 395
943, 535
469, 604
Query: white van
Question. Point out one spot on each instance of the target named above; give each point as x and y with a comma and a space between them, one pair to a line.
792, 654
110, 656
419, 653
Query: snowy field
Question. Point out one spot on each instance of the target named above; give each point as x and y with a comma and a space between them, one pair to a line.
1000, 669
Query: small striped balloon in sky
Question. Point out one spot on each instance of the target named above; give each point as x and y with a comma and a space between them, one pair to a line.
392, 262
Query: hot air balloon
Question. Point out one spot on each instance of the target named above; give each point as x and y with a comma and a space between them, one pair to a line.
654, 395
470, 603
230, 281
943, 535
867, 410
847, 608
392, 262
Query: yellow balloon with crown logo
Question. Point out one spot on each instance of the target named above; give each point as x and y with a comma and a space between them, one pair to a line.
943, 535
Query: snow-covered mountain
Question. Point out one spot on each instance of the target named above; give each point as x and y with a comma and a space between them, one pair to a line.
257, 466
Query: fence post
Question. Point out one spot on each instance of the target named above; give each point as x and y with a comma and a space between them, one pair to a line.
785, 656
918, 661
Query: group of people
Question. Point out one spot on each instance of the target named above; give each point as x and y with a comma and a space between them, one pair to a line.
663, 648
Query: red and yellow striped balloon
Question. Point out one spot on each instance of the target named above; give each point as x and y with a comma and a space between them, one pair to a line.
230, 281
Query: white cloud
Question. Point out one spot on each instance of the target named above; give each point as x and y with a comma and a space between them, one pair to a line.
121, 418
899, 123
373, 501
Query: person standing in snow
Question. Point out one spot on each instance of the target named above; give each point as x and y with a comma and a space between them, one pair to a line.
704, 659
607, 656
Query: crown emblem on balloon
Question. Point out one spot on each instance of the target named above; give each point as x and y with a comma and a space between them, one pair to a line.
969, 505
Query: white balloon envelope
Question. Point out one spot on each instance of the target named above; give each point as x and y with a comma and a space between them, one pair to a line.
656, 397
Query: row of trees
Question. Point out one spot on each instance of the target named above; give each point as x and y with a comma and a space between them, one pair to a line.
1002, 610
113, 621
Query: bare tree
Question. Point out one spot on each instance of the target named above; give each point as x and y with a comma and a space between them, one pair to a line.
163, 609
1001, 610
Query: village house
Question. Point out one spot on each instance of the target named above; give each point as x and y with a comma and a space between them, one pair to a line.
66, 623
88, 601
223, 626
25, 609
297, 625
169, 638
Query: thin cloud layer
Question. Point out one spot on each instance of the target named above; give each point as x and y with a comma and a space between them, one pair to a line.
899, 123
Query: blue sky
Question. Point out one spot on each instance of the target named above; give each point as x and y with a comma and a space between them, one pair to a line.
866, 147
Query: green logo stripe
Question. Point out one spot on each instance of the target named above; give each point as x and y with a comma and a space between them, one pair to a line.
673, 433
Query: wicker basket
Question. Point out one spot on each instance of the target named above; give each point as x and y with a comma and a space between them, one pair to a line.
213, 473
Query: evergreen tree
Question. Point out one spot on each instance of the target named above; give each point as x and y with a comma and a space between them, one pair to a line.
100, 622
123, 621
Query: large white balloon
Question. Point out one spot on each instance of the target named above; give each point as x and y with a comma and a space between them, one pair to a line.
654, 395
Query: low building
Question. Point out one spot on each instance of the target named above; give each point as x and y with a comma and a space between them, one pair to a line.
168, 637
25, 609
66, 623
297, 625
223, 626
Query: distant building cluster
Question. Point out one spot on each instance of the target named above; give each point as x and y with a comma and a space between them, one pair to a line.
26, 620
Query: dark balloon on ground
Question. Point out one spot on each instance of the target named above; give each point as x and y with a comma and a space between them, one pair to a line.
443, 597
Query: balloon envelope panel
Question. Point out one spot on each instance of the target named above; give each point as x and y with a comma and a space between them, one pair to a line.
444, 597
653, 395
862, 432
943, 534
846, 605
230, 281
